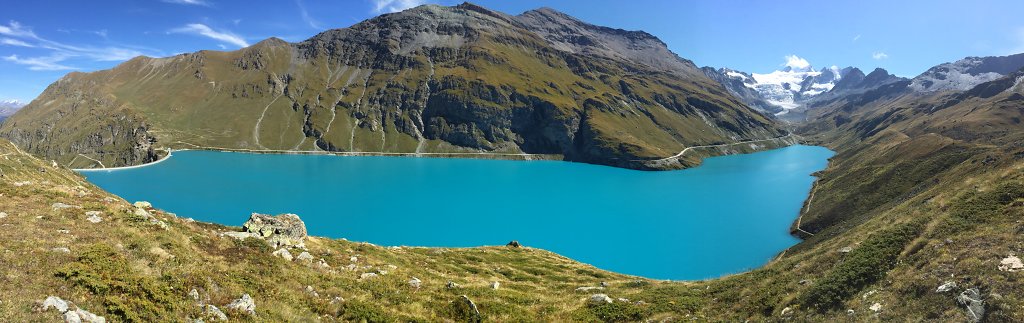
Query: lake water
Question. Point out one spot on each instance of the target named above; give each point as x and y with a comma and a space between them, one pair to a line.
729, 215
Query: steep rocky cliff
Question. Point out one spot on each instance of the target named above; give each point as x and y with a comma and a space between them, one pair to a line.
432, 79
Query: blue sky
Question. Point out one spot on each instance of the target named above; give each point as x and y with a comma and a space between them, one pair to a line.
41, 41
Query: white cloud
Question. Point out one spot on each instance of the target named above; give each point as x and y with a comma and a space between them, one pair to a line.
203, 30
15, 42
879, 55
46, 63
856, 38
189, 2
25, 37
385, 6
796, 62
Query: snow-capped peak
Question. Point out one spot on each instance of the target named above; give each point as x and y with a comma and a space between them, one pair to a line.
795, 83
12, 103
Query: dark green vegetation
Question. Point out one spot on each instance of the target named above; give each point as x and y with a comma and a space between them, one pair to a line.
427, 80
925, 189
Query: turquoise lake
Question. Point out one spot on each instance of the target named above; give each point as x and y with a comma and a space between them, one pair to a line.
729, 215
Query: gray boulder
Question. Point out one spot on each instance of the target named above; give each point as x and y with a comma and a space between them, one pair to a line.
56, 303
280, 231
283, 253
85, 317
971, 301
598, 299
415, 283
245, 305
214, 313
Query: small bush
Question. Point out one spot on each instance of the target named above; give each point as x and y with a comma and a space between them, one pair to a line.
863, 266
127, 295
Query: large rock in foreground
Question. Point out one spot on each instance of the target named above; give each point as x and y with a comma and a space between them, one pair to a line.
285, 230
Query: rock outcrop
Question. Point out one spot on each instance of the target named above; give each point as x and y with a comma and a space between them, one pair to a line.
285, 230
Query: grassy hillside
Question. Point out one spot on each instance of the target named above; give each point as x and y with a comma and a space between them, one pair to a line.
127, 268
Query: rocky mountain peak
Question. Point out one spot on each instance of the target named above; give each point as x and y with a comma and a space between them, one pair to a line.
966, 73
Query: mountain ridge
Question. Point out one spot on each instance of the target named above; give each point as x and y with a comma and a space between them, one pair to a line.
428, 79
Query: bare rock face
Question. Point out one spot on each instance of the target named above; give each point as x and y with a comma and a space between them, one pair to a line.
285, 230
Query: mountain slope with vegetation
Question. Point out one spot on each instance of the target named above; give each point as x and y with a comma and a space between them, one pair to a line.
432, 79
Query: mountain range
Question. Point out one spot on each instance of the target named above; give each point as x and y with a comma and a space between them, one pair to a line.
9, 107
432, 79
916, 218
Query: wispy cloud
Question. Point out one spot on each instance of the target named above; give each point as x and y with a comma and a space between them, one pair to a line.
856, 38
15, 29
15, 42
385, 6
206, 31
879, 55
45, 63
305, 15
23, 36
189, 2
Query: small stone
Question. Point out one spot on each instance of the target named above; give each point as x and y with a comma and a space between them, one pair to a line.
64, 231
305, 256
20, 184
353, 259
323, 264
337, 299
876, 307
624, 300
598, 299
56, 303
845, 249
604, 284
214, 313
143, 205
495, 285
244, 305
143, 213
971, 300
367, 275
451, 285
92, 213
311, 291
283, 253
87, 317
62, 250
94, 219
786, 311
588, 288
1011, 264
471, 308
945, 287
850, 312
415, 283
514, 244
3, 215
194, 294
804, 282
